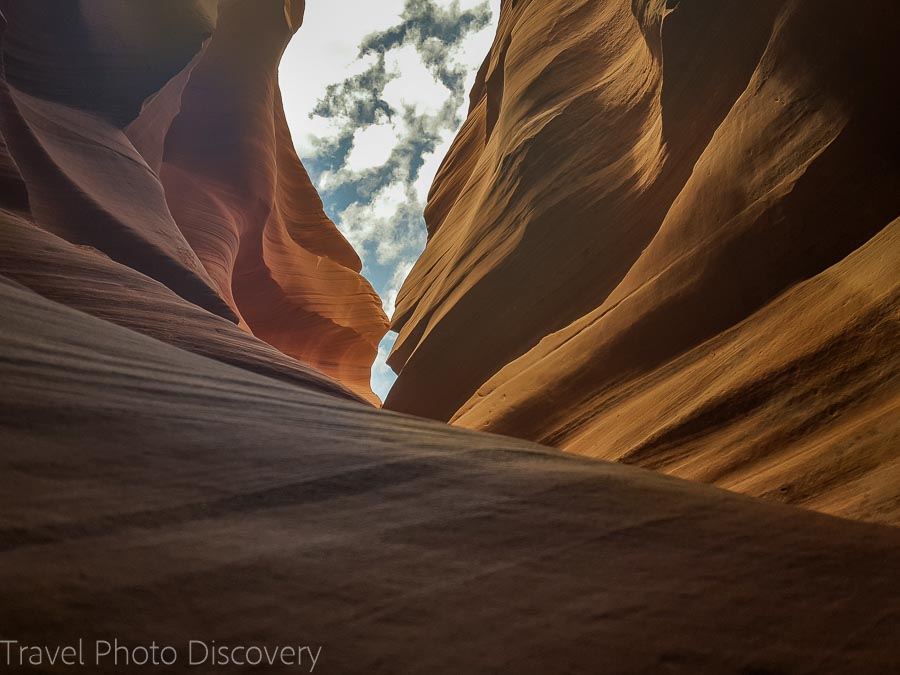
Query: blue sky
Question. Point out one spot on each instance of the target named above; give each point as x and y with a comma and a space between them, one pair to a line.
375, 91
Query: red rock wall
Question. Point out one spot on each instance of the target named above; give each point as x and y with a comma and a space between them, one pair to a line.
153, 137
165, 473
664, 237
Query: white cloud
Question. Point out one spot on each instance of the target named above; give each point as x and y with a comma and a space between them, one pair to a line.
372, 146
415, 85
325, 50
380, 228
380, 204
388, 200
360, 222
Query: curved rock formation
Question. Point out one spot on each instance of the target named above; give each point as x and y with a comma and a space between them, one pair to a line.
243, 200
153, 495
166, 475
665, 236
110, 145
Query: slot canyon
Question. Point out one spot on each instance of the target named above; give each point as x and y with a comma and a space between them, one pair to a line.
647, 409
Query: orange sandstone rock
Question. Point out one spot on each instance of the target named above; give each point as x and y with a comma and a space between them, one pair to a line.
155, 136
164, 472
672, 246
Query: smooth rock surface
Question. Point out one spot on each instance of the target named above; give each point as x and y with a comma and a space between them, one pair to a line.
666, 236
151, 494
155, 136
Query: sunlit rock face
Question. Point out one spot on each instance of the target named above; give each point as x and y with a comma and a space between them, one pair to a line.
666, 235
166, 475
146, 154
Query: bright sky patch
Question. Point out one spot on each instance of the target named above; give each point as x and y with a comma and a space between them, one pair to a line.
374, 93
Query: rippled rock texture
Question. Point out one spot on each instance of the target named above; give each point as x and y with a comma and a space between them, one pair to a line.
185, 448
667, 236
148, 174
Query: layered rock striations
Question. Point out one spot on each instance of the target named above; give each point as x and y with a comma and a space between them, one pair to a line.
149, 144
667, 236
171, 472
150, 494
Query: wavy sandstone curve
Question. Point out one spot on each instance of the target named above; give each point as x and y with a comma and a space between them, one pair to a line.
605, 259
188, 445
86, 280
245, 203
170, 494
92, 93
67, 146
